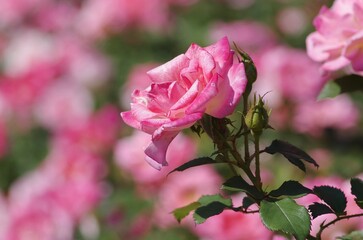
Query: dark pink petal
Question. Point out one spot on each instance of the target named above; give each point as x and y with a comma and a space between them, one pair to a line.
199, 104
169, 71
230, 91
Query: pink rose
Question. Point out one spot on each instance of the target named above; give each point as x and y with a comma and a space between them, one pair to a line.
338, 39
203, 80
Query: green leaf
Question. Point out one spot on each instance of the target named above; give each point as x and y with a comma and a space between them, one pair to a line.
237, 183
194, 163
318, 209
203, 213
330, 90
356, 235
286, 216
292, 189
332, 196
207, 199
291, 153
210, 205
182, 212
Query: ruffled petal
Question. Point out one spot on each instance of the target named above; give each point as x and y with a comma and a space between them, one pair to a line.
222, 53
156, 151
130, 120
169, 71
199, 104
188, 97
230, 91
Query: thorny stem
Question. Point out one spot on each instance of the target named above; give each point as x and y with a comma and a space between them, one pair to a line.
257, 161
324, 226
230, 163
244, 167
245, 128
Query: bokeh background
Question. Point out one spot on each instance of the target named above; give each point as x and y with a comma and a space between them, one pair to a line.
71, 169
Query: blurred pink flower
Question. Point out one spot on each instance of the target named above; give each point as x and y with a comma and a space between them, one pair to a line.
137, 79
63, 100
338, 38
203, 80
250, 36
115, 15
39, 220
55, 16
292, 20
313, 117
20, 92
183, 188
297, 81
130, 157
232, 225
12, 12
65, 173
84, 64
29, 49
97, 134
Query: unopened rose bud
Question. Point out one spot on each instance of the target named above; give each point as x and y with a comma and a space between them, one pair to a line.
257, 118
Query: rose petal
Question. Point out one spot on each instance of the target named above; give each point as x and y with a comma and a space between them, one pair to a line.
354, 51
169, 71
188, 97
178, 124
230, 91
162, 137
150, 125
199, 104
130, 120
221, 53
335, 64
199, 59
